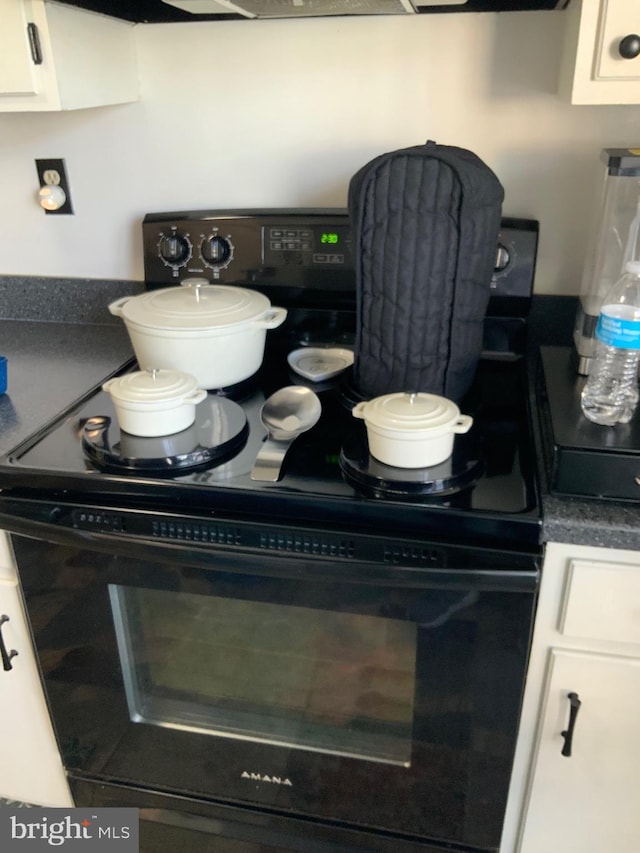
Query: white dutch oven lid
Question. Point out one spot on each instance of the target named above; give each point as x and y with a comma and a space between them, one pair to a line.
195, 306
411, 412
152, 386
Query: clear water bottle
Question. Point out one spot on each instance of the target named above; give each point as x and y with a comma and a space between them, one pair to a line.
610, 394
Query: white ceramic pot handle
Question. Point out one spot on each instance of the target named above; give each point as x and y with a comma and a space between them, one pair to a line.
273, 318
463, 424
197, 396
116, 307
358, 410
194, 282
194, 285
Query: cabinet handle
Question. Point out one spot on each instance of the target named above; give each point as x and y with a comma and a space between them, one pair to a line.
6, 656
629, 46
34, 44
574, 707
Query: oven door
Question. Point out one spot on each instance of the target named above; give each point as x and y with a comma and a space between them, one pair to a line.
311, 684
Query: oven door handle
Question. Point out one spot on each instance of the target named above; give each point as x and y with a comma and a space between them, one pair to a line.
6, 656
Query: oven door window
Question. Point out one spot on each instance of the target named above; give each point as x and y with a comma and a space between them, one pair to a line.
338, 683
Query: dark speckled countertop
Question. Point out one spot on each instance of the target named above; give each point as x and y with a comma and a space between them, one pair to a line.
580, 521
61, 341
607, 524
610, 524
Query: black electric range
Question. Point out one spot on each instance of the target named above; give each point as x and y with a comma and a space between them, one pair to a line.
486, 494
331, 661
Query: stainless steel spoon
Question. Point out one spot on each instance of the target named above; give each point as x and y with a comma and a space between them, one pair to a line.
286, 414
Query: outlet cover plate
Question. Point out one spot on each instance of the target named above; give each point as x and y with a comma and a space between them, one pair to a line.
47, 171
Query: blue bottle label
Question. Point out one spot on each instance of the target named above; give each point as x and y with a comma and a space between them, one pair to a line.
616, 332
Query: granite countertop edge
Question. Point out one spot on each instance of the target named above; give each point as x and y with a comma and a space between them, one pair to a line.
605, 524
60, 341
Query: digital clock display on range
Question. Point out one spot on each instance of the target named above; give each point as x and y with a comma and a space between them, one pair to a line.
331, 240
310, 244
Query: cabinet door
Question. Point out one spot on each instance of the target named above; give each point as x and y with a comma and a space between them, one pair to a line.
593, 69
31, 768
85, 59
588, 802
16, 63
619, 18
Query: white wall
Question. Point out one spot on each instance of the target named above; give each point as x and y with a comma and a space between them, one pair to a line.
282, 113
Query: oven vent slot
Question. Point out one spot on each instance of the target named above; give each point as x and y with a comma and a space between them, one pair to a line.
300, 543
187, 531
412, 555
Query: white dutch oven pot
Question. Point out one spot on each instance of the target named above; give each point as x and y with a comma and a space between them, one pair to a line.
216, 333
411, 430
155, 402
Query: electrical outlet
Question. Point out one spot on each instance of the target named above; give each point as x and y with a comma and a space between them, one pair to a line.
51, 177
52, 173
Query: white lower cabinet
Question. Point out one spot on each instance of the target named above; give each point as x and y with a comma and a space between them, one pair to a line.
587, 801
585, 653
31, 770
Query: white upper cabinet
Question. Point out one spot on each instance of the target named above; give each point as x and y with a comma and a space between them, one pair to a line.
601, 61
56, 57
17, 75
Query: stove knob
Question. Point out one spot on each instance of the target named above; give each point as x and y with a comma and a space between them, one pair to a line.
216, 251
174, 250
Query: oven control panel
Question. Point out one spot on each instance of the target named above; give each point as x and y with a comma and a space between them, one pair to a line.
305, 250
324, 244
283, 247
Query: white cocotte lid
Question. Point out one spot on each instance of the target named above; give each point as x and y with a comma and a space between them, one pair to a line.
154, 387
194, 305
412, 413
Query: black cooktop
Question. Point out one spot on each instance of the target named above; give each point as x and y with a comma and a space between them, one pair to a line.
495, 498
485, 494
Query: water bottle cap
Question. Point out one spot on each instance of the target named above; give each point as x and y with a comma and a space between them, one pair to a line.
632, 267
